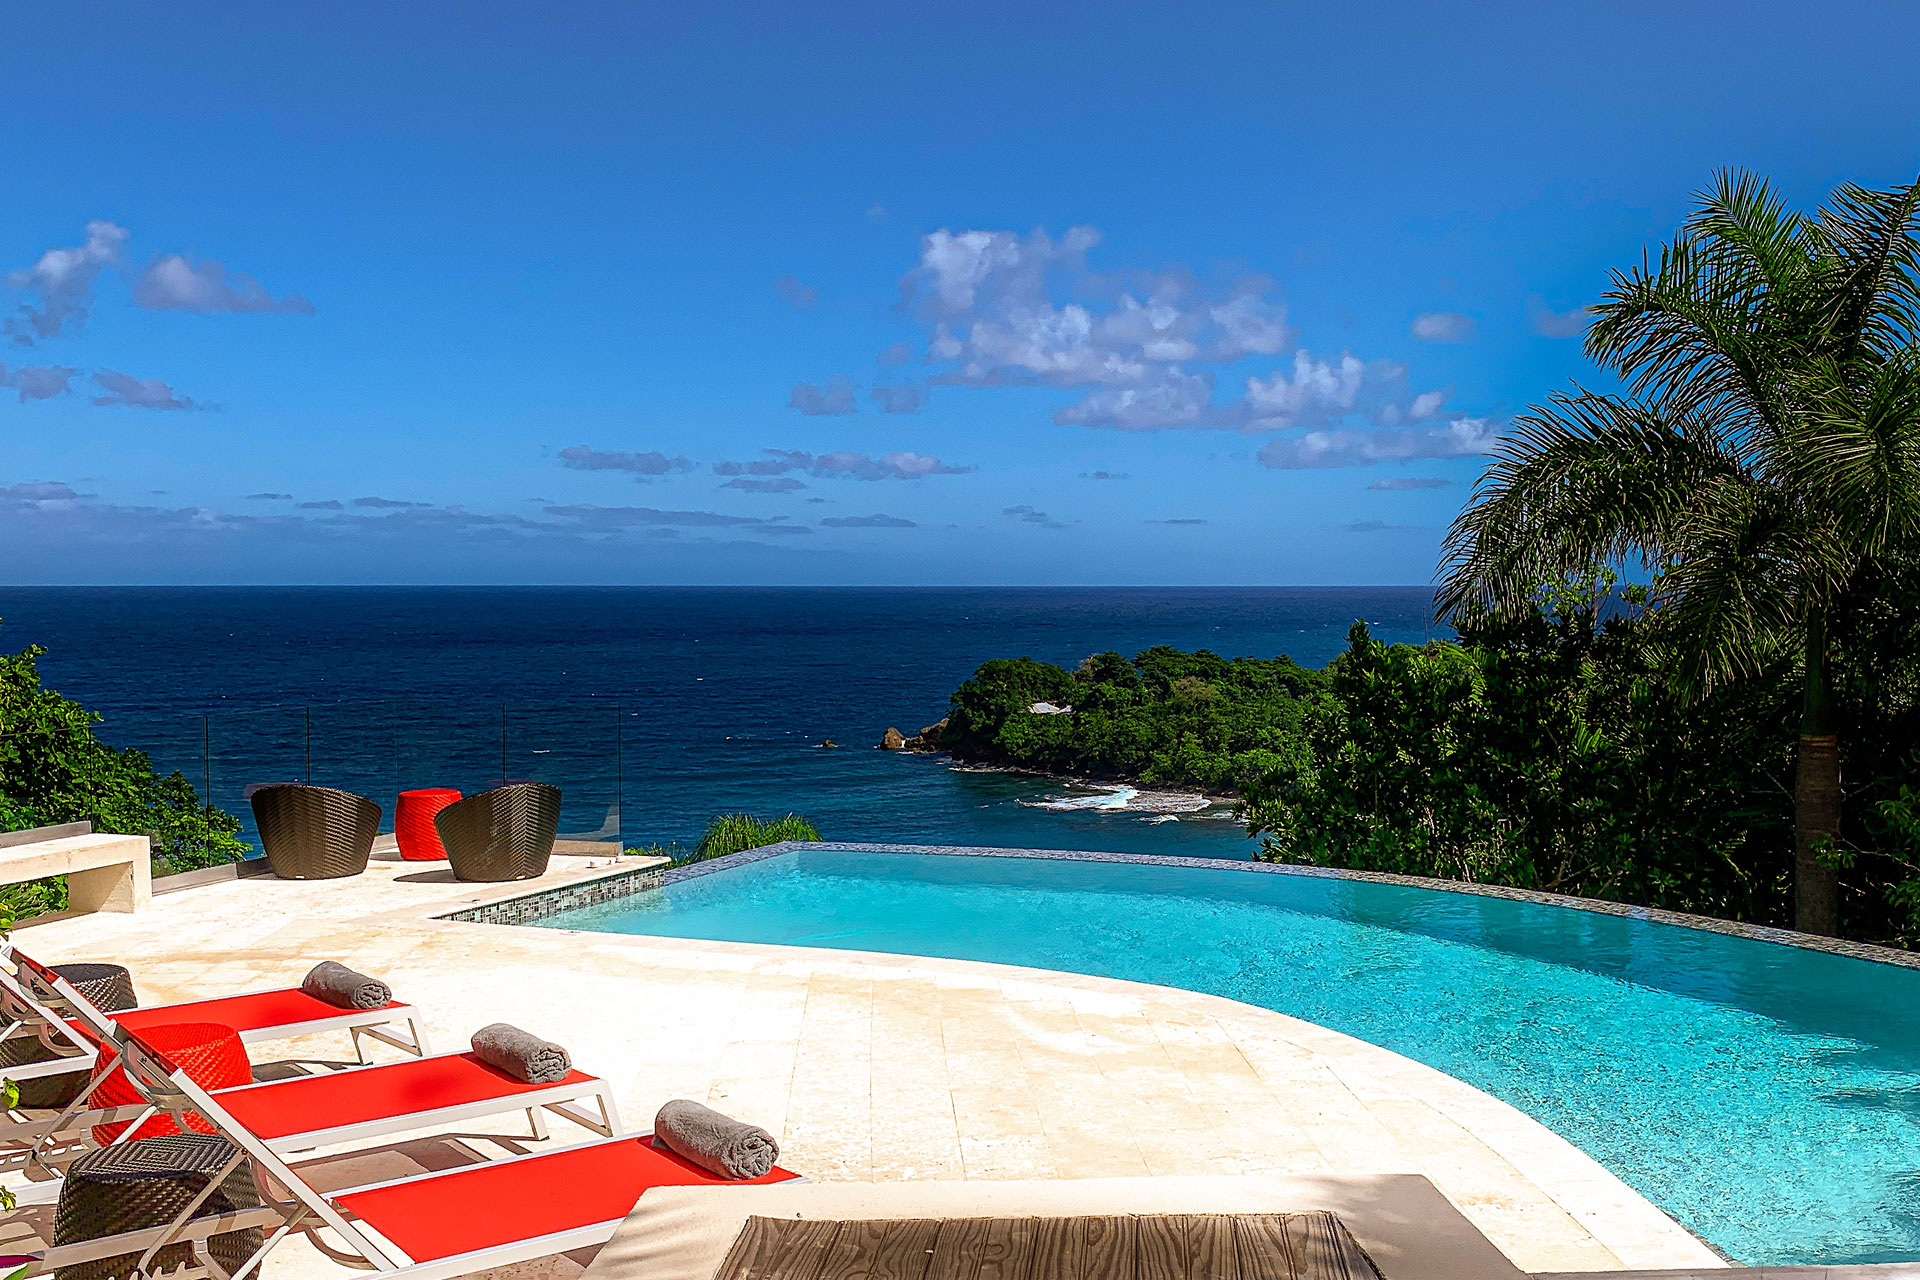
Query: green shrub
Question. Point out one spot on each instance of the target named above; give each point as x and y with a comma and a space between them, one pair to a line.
734, 832
53, 769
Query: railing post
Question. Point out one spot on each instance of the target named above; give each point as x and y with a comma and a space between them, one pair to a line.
206, 757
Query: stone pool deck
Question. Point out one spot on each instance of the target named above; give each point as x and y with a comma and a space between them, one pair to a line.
876, 1068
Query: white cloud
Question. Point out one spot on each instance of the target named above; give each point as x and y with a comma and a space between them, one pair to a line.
1363, 446
587, 515
1315, 390
38, 492
138, 393
798, 294
37, 381
63, 279
1402, 484
765, 484
582, 457
1173, 399
1009, 310
875, 521
898, 353
1027, 514
908, 398
835, 397
841, 465
1549, 323
173, 282
1443, 326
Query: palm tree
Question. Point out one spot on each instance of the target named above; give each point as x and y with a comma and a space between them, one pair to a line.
1763, 467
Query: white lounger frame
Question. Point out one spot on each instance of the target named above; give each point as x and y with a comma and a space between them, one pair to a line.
603, 1120
305, 1210
371, 1023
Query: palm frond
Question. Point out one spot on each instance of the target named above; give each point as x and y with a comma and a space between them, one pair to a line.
1869, 244
1580, 483
1857, 458
1738, 591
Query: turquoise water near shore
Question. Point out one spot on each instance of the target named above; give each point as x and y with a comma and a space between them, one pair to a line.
670, 703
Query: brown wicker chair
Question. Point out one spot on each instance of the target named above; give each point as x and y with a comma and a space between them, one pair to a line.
315, 833
503, 834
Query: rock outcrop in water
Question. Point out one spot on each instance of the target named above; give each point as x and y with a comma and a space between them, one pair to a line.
928, 739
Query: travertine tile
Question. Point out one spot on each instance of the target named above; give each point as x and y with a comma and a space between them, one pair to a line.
886, 1067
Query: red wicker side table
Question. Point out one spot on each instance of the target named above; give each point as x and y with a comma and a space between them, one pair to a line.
413, 825
209, 1052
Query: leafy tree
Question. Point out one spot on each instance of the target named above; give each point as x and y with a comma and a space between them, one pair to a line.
1165, 717
1764, 467
1544, 752
53, 769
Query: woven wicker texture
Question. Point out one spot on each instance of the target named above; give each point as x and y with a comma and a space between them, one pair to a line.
413, 823
315, 833
210, 1054
110, 988
503, 834
146, 1184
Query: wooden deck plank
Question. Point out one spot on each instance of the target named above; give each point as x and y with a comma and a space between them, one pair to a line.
1264, 1247
1160, 1245
1109, 1248
1060, 1250
1323, 1248
956, 1249
1302, 1246
881, 1249
1211, 1245
1008, 1247
778, 1249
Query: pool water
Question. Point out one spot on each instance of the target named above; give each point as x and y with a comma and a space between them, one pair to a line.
1766, 1096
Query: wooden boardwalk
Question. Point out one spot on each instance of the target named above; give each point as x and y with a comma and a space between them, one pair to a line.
1298, 1246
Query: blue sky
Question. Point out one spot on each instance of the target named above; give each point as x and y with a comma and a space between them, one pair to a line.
838, 293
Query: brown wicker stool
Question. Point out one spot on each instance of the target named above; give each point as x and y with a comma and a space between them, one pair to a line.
147, 1183
110, 988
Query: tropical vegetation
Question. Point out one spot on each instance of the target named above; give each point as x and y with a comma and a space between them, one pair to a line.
1163, 716
1763, 468
54, 769
733, 833
1736, 732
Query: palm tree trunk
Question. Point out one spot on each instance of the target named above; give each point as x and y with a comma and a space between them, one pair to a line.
1816, 796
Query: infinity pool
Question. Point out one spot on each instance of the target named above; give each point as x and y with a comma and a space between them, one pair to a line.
1766, 1096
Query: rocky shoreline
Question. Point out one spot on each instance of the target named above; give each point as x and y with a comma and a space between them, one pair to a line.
928, 742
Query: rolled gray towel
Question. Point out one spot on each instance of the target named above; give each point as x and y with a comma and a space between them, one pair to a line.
521, 1053
719, 1144
336, 984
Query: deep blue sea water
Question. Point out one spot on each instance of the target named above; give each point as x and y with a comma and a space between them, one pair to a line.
662, 706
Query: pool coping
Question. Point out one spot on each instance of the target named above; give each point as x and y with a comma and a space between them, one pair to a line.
1867, 951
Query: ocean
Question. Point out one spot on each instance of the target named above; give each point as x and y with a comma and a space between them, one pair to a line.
652, 708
